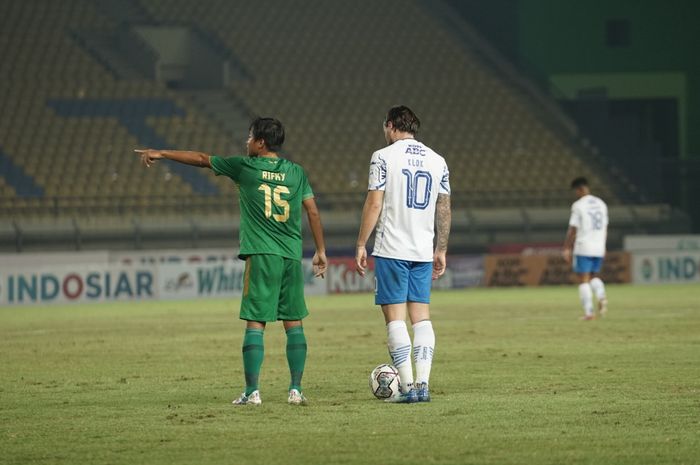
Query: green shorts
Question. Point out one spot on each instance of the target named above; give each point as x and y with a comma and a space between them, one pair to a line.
273, 289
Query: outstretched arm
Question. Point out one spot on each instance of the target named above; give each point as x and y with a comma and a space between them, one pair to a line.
320, 261
443, 213
150, 156
370, 216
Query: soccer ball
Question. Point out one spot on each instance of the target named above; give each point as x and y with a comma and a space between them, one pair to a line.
384, 381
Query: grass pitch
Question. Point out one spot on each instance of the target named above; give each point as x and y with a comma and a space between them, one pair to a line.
517, 379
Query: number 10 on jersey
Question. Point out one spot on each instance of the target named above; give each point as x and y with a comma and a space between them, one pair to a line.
418, 186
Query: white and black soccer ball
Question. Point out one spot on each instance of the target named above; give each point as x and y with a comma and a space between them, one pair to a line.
384, 381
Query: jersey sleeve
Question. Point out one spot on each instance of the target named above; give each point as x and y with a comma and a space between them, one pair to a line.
575, 219
230, 166
306, 191
445, 181
377, 173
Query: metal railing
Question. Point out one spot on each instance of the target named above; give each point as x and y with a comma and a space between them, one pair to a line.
129, 205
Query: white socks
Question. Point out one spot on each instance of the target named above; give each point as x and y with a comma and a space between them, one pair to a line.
586, 294
399, 343
423, 347
598, 288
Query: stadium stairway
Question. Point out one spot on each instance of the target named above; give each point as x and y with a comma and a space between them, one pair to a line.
105, 49
132, 114
221, 106
21, 182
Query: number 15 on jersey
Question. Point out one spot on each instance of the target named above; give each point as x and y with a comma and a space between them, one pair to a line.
275, 195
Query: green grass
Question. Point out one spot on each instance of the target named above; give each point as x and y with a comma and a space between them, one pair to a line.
517, 379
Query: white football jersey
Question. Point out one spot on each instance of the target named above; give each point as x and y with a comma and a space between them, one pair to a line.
411, 176
589, 215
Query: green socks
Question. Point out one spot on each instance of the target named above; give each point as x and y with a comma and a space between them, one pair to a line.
253, 353
296, 355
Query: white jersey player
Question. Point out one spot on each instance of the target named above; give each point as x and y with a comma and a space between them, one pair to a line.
409, 189
416, 176
585, 243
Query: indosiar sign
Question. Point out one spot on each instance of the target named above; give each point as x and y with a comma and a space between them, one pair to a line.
100, 283
68, 284
666, 267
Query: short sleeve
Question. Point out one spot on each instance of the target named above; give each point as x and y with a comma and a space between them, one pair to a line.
575, 219
445, 181
230, 166
306, 191
377, 173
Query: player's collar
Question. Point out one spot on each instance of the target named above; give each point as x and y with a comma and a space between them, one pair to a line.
405, 138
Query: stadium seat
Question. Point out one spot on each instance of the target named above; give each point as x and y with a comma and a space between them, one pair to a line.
326, 80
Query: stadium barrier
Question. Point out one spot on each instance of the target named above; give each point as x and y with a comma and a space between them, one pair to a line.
224, 279
664, 259
89, 277
45, 278
63, 284
462, 271
90, 283
537, 270
674, 267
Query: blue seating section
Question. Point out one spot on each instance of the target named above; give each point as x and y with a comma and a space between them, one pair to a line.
22, 183
132, 114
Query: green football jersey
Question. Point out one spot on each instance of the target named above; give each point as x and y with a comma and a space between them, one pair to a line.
271, 192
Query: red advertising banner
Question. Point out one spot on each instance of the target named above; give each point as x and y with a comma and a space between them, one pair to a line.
341, 276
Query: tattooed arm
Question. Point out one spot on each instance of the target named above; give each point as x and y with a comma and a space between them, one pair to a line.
443, 216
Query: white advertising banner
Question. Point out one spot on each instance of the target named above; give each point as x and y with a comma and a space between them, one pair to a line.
100, 283
189, 281
666, 267
76, 283
222, 279
662, 242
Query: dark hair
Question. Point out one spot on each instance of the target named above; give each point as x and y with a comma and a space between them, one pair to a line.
579, 182
403, 119
270, 130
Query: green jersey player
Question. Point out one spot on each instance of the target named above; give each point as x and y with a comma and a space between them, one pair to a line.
272, 193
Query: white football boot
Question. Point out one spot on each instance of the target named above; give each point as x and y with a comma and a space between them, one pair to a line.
252, 399
602, 307
296, 398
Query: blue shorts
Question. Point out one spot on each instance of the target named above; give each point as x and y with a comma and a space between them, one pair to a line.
583, 264
400, 281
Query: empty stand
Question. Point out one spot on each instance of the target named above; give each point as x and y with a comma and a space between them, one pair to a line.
328, 70
68, 126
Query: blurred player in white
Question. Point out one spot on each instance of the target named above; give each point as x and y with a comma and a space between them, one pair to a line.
585, 242
409, 189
